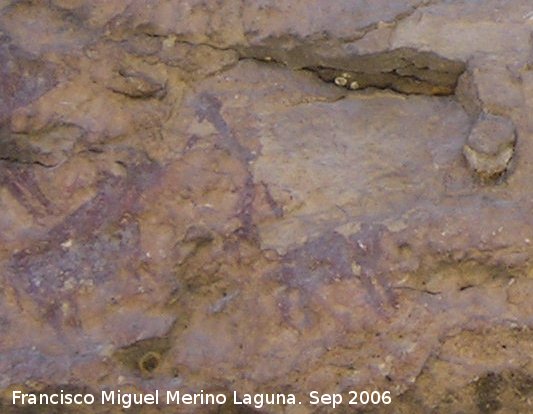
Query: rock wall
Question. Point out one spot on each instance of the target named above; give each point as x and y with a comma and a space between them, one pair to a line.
268, 196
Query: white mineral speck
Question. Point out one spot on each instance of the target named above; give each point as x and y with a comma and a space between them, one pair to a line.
66, 244
341, 81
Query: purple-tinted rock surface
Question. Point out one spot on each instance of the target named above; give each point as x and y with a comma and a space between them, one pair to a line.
267, 197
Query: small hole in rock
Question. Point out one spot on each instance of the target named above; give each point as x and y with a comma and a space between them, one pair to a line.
149, 362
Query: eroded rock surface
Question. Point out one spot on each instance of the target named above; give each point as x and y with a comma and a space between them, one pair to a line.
490, 146
403, 70
193, 198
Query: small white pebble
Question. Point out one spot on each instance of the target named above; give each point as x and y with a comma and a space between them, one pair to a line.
341, 81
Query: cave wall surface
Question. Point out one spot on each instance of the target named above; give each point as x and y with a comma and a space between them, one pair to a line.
268, 196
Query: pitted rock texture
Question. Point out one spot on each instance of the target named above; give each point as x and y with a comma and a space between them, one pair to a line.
186, 205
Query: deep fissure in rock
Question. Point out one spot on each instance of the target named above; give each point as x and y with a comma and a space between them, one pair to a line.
403, 70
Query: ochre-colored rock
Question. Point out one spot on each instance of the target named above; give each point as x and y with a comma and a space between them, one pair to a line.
197, 196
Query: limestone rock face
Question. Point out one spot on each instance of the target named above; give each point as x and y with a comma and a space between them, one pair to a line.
490, 146
268, 197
